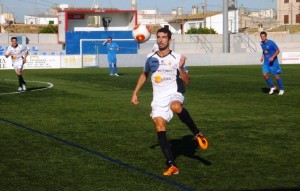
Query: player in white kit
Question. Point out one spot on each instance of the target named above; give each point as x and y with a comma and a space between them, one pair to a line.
169, 74
18, 54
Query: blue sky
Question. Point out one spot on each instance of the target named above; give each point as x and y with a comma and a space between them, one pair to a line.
30, 7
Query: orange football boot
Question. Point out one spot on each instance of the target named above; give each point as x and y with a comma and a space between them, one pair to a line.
171, 171
203, 143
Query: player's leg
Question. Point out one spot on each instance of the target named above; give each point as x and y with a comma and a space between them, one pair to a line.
280, 84
160, 124
110, 67
161, 114
22, 83
115, 68
265, 71
183, 114
276, 70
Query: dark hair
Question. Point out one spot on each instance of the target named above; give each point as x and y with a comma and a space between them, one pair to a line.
263, 32
109, 37
165, 30
14, 38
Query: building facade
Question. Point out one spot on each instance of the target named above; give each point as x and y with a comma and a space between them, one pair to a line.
288, 12
40, 19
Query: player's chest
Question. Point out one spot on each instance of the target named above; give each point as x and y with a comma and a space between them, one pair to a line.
112, 47
15, 50
164, 64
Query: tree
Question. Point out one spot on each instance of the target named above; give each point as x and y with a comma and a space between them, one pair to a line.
49, 29
201, 31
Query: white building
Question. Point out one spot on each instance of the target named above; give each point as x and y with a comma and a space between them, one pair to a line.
213, 20
288, 12
2, 19
216, 22
40, 19
266, 13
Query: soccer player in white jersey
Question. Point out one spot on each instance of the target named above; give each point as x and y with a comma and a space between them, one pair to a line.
169, 74
18, 54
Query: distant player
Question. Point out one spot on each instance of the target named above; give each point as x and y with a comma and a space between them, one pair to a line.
169, 74
271, 63
18, 53
112, 49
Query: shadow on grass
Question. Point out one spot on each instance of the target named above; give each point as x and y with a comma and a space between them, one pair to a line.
122, 74
36, 88
266, 90
186, 146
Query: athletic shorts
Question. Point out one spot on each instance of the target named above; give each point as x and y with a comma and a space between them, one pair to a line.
112, 60
161, 108
274, 69
18, 65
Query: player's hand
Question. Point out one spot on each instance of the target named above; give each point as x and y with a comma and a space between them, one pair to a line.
182, 61
271, 59
7, 55
134, 99
261, 60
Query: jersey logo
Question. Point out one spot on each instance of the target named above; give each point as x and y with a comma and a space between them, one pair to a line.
157, 79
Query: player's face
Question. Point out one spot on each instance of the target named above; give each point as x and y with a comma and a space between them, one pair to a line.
263, 37
14, 42
163, 40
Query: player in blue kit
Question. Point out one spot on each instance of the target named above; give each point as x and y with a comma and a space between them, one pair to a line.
271, 63
112, 49
169, 74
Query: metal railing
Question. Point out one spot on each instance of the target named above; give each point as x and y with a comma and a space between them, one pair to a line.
206, 45
244, 39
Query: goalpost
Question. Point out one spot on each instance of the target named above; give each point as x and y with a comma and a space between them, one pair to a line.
94, 54
92, 49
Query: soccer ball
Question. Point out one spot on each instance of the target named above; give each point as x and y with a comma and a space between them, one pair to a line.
141, 33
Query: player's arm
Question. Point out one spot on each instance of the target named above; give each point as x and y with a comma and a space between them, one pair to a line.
25, 55
7, 54
141, 81
262, 57
104, 42
274, 55
183, 74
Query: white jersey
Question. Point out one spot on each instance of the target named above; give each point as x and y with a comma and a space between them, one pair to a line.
165, 75
16, 54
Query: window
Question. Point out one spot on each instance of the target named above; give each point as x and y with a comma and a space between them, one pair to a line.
286, 1
51, 22
298, 18
286, 19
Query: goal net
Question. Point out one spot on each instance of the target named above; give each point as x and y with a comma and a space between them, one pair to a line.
94, 54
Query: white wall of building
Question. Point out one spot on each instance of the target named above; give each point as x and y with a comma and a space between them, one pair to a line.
2, 19
216, 22
266, 13
40, 20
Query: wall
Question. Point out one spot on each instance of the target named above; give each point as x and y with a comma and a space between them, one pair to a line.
136, 60
184, 44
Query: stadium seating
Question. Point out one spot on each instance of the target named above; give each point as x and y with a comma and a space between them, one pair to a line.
35, 50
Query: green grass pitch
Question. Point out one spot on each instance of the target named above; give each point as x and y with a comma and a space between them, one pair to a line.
84, 134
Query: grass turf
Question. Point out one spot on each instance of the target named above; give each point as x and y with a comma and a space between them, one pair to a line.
84, 134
